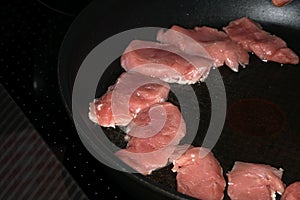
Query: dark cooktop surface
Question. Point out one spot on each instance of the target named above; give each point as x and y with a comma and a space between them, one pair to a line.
31, 34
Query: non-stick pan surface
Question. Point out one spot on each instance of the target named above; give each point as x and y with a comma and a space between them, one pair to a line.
262, 123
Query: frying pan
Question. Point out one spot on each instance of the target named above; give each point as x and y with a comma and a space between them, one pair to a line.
262, 123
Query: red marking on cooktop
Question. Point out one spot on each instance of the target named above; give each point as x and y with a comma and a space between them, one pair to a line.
256, 117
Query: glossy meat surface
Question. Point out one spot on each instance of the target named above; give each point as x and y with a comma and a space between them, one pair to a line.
254, 39
254, 181
292, 192
132, 93
199, 174
165, 62
216, 43
153, 136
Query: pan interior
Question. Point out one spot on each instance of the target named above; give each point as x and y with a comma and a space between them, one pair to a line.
270, 86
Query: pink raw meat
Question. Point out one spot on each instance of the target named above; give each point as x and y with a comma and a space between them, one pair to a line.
254, 181
166, 62
199, 174
254, 39
292, 192
281, 2
154, 134
218, 45
132, 93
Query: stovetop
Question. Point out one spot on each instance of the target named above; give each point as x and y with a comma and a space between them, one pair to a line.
31, 34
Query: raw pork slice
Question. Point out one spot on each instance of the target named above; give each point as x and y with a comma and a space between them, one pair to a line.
199, 174
154, 134
254, 181
281, 2
218, 45
166, 62
254, 39
292, 192
132, 93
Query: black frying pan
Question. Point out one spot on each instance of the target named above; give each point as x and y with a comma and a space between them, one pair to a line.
262, 124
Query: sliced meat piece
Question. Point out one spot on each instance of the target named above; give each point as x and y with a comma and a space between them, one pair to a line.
166, 62
156, 127
131, 93
154, 134
199, 174
254, 39
281, 2
292, 192
100, 110
254, 181
218, 45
